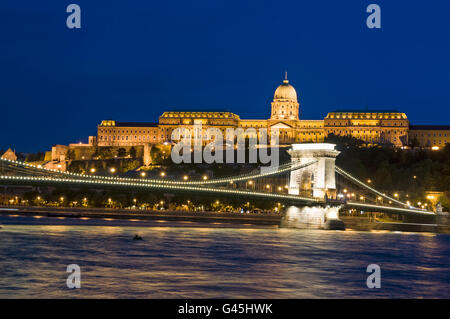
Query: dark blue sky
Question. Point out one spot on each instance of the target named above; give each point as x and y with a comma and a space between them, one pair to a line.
134, 59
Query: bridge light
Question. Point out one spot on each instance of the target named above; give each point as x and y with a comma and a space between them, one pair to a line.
143, 174
92, 170
162, 174
185, 177
369, 181
205, 177
395, 195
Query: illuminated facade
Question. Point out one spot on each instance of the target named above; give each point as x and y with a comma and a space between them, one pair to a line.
371, 127
429, 135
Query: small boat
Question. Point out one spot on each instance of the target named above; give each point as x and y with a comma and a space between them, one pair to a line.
137, 237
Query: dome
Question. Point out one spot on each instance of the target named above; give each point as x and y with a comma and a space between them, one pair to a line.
285, 92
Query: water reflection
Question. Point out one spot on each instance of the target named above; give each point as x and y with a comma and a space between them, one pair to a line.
214, 262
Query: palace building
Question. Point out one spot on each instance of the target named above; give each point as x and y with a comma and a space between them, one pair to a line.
371, 127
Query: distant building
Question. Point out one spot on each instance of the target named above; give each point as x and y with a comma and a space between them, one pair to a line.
10, 155
430, 135
59, 153
371, 127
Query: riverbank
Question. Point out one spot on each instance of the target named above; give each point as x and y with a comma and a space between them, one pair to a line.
149, 215
367, 224
213, 219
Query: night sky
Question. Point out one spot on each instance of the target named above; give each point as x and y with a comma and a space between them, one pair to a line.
132, 60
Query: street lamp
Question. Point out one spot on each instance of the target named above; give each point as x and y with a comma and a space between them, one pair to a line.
143, 174
205, 177
162, 174
92, 170
185, 177
112, 170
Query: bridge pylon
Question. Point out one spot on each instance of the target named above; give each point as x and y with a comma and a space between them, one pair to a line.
317, 179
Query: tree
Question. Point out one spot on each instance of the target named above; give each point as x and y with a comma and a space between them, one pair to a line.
121, 152
445, 202
70, 154
34, 157
105, 152
414, 142
132, 152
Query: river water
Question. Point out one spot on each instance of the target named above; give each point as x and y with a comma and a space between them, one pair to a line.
190, 260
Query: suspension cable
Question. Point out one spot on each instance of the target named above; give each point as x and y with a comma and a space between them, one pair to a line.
18, 166
343, 173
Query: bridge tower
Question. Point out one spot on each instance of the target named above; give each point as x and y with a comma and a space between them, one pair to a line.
317, 179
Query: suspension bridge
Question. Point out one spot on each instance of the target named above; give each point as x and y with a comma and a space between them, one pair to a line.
309, 179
